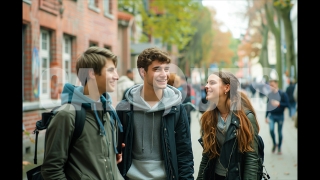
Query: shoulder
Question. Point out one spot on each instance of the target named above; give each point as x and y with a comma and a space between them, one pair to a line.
66, 109
123, 105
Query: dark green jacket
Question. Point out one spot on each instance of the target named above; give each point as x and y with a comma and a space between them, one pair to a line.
239, 165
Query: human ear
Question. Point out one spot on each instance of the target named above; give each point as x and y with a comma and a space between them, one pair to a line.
91, 74
142, 72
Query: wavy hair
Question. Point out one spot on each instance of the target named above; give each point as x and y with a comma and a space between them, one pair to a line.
237, 100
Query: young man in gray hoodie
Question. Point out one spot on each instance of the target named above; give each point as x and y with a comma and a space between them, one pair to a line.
93, 155
156, 127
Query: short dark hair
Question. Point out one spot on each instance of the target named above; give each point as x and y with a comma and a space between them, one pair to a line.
129, 71
152, 54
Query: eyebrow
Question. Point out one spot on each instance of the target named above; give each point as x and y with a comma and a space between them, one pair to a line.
110, 68
159, 67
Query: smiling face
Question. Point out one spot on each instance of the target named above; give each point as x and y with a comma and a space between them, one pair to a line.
215, 88
107, 80
157, 75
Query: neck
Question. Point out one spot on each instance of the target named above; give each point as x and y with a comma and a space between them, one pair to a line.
223, 109
151, 94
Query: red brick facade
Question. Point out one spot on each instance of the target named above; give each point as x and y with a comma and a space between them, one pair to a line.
75, 18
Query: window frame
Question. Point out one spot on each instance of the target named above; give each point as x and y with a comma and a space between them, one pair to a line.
66, 58
44, 53
107, 11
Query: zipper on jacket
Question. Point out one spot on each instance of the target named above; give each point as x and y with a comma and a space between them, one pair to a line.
239, 169
233, 147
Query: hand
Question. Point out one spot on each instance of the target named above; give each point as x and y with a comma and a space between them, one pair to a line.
275, 103
119, 156
267, 120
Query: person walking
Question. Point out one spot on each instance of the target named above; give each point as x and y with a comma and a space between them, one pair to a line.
93, 155
277, 101
292, 102
295, 96
228, 128
188, 96
156, 129
124, 83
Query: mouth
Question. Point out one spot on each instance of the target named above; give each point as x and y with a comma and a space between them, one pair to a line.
162, 81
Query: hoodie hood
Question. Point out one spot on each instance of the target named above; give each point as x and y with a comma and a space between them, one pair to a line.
171, 97
74, 94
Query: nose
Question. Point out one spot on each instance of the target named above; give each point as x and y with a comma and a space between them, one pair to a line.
116, 76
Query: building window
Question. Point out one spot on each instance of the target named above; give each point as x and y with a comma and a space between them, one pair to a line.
107, 8
44, 64
93, 44
107, 47
94, 5
66, 58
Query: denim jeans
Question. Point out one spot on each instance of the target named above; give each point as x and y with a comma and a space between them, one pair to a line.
273, 119
292, 108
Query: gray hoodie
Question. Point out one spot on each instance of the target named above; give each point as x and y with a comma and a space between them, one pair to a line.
147, 160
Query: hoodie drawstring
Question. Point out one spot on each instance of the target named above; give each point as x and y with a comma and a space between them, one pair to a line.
102, 131
152, 131
144, 115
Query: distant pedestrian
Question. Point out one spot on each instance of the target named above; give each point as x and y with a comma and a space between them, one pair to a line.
292, 102
295, 96
230, 149
277, 101
124, 83
252, 89
188, 96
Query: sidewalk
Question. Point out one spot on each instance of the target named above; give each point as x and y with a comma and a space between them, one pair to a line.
281, 167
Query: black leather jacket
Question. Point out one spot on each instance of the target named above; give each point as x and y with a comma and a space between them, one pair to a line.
175, 141
239, 165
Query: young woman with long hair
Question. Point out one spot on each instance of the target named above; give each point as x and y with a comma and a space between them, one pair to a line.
228, 128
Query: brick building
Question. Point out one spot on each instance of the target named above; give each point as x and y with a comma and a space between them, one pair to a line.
54, 33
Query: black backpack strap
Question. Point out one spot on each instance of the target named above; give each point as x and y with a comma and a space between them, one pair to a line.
79, 122
124, 122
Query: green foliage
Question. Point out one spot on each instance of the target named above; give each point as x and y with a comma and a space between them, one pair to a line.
170, 22
198, 48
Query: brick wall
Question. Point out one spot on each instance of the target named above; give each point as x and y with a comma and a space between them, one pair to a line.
78, 21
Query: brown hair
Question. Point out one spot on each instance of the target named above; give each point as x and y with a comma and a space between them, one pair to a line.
174, 80
209, 119
94, 57
152, 54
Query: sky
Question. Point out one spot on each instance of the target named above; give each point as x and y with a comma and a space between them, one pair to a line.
226, 13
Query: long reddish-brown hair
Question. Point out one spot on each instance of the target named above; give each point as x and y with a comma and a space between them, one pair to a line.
209, 120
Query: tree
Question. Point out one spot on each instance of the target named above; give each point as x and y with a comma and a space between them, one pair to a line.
284, 7
197, 50
170, 22
257, 21
274, 24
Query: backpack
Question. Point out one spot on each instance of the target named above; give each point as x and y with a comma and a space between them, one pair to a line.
262, 174
43, 123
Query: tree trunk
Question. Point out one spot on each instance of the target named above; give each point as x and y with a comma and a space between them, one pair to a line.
285, 15
276, 32
263, 57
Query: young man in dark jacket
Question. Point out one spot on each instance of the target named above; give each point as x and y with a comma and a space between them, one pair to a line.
156, 129
276, 103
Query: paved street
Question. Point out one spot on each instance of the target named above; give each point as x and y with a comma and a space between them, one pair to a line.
281, 167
